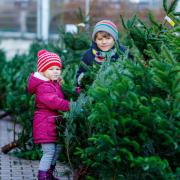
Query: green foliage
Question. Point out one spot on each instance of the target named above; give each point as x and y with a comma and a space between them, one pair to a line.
128, 127
130, 117
74, 45
154, 35
16, 101
71, 52
2, 87
33, 154
125, 123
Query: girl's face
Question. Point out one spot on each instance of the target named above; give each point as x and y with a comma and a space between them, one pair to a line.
104, 41
53, 73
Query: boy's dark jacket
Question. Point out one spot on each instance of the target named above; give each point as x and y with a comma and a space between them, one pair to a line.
89, 58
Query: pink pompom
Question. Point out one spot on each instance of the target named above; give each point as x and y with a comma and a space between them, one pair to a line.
41, 52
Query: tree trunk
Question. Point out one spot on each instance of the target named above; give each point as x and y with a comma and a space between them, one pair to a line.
5, 149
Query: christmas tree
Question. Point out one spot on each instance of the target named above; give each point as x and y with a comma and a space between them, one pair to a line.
126, 124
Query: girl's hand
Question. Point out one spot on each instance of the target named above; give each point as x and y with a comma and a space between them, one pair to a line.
60, 80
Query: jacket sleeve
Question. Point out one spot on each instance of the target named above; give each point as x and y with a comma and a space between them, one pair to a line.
47, 95
87, 59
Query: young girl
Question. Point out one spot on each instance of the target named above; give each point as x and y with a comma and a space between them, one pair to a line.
49, 99
104, 38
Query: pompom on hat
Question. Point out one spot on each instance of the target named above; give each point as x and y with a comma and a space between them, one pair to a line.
106, 26
47, 59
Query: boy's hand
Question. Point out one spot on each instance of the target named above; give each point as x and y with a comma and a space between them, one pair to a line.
78, 90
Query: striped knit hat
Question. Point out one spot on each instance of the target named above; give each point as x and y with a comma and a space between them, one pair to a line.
47, 59
107, 26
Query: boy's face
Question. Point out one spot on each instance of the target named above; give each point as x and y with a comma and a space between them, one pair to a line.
53, 73
104, 41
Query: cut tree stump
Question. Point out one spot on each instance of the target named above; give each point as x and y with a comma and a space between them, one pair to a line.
5, 149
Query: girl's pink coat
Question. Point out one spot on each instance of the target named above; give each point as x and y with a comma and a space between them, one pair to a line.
49, 99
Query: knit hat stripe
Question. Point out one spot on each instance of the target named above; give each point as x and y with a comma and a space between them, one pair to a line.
48, 65
106, 26
46, 62
47, 56
47, 59
107, 22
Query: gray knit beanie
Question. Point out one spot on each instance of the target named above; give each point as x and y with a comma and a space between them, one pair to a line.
107, 26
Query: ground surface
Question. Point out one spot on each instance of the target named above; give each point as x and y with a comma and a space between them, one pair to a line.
13, 168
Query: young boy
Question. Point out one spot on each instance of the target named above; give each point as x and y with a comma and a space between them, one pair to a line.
104, 38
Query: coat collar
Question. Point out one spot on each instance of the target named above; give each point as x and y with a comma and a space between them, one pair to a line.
40, 76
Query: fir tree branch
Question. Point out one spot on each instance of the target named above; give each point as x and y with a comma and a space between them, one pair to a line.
152, 53
168, 55
152, 20
172, 6
177, 14
123, 22
142, 23
131, 22
165, 6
